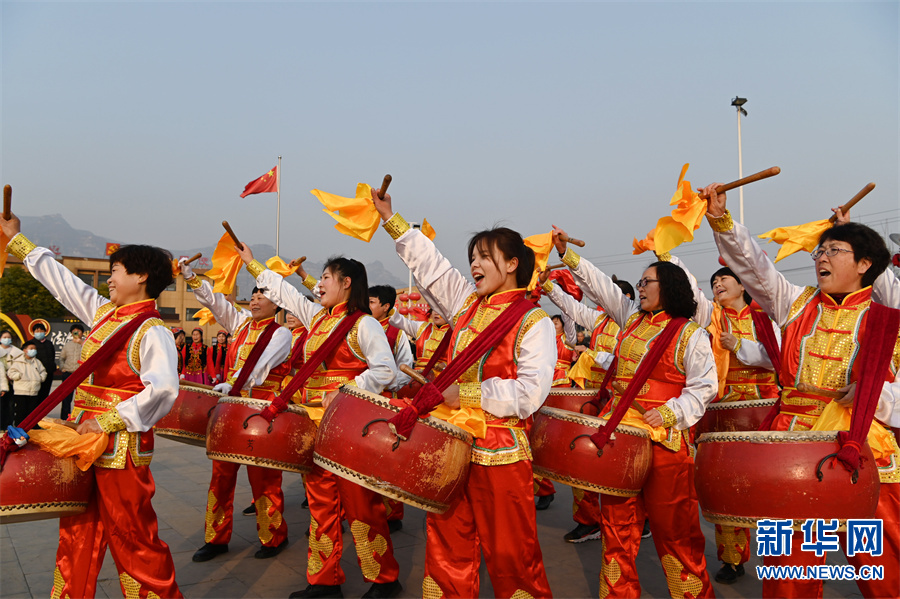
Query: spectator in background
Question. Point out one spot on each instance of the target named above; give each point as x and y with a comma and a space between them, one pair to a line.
68, 362
27, 374
8, 353
46, 354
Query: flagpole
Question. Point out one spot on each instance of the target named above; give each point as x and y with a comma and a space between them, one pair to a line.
278, 209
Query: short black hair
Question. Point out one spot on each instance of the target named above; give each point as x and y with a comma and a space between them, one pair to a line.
28, 343
511, 245
727, 272
385, 294
76, 327
148, 260
557, 317
359, 282
675, 292
263, 291
178, 332
39, 326
866, 244
626, 287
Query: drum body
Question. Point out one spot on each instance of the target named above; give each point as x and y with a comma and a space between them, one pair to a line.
36, 485
237, 433
355, 442
572, 400
559, 453
732, 416
187, 420
744, 477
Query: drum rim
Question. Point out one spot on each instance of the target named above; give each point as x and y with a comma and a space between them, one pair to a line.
430, 421
753, 403
750, 521
237, 458
574, 392
582, 484
252, 402
578, 418
186, 386
770, 437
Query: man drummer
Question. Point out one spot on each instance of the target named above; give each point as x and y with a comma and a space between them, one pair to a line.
264, 382
381, 303
823, 329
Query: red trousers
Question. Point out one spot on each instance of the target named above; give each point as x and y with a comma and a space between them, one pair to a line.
393, 508
543, 486
732, 544
267, 495
888, 511
670, 502
585, 507
119, 515
496, 515
329, 495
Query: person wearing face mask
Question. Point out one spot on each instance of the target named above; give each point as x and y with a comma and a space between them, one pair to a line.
263, 381
27, 373
68, 362
682, 381
46, 354
8, 353
362, 358
495, 513
824, 329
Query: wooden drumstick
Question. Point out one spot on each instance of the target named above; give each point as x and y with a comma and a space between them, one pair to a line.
862, 193
297, 261
813, 390
617, 386
565, 238
196, 256
7, 202
555, 266
384, 186
231, 233
724, 321
769, 172
414, 375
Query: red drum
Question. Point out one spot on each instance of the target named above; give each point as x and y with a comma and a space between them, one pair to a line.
189, 416
731, 416
748, 476
356, 443
559, 453
572, 400
237, 433
36, 485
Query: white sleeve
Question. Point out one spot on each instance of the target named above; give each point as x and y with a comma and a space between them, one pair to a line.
771, 290
888, 410
601, 289
604, 360
226, 314
276, 351
444, 287
402, 355
886, 289
581, 314
569, 333
701, 382
159, 374
375, 347
753, 353
78, 297
703, 315
407, 325
276, 289
524, 395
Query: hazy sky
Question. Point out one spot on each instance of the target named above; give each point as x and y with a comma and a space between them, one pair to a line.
143, 121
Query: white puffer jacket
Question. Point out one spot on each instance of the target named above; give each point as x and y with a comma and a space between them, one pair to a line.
26, 375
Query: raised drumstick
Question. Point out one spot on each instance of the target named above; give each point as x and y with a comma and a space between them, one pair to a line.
196, 256
297, 261
769, 172
565, 238
231, 233
413, 374
862, 193
7, 202
555, 266
384, 186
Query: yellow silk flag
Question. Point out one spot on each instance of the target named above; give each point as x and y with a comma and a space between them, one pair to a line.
542, 245
428, 230
581, 370
277, 264
644, 245
205, 316
671, 231
355, 217
836, 417
226, 265
58, 439
794, 239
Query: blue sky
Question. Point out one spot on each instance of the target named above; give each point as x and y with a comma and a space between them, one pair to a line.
144, 121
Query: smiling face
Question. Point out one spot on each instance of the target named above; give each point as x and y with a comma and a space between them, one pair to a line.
334, 288
378, 309
261, 307
558, 325
126, 288
196, 336
651, 299
220, 338
291, 321
491, 271
728, 292
840, 273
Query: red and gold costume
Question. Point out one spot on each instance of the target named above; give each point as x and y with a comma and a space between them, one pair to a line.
427, 336
195, 358
363, 359
680, 386
126, 395
296, 360
820, 341
264, 383
505, 387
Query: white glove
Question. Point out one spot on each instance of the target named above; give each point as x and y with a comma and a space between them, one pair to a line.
223, 388
317, 290
186, 270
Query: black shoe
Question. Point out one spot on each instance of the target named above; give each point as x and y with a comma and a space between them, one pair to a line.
582, 533
209, 551
729, 574
395, 525
267, 552
305, 504
544, 502
646, 534
318, 590
250, 511
380, 590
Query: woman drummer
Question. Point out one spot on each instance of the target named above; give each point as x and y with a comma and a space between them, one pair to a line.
495, 513
364, 359
676, 394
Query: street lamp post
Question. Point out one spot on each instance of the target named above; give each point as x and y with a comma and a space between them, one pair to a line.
738, 103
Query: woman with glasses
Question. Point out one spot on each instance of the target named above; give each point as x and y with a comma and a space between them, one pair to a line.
681, 384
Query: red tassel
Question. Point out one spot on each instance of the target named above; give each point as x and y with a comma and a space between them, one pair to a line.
275, 408
848, 454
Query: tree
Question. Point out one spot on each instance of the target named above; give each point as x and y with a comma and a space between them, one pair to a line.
22, 294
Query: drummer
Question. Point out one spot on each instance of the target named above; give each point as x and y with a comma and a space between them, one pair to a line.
263, 382
124, 396
495, 513
745, 374
364, 359
381, 303
675, 395
822, 331
427, 335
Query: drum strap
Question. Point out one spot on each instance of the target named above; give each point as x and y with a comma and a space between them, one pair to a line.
68, 386
255, 354
766, 336
337, 335
438, 352
648, 363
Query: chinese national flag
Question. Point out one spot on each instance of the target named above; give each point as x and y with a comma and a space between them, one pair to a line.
265, 184
112, 248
